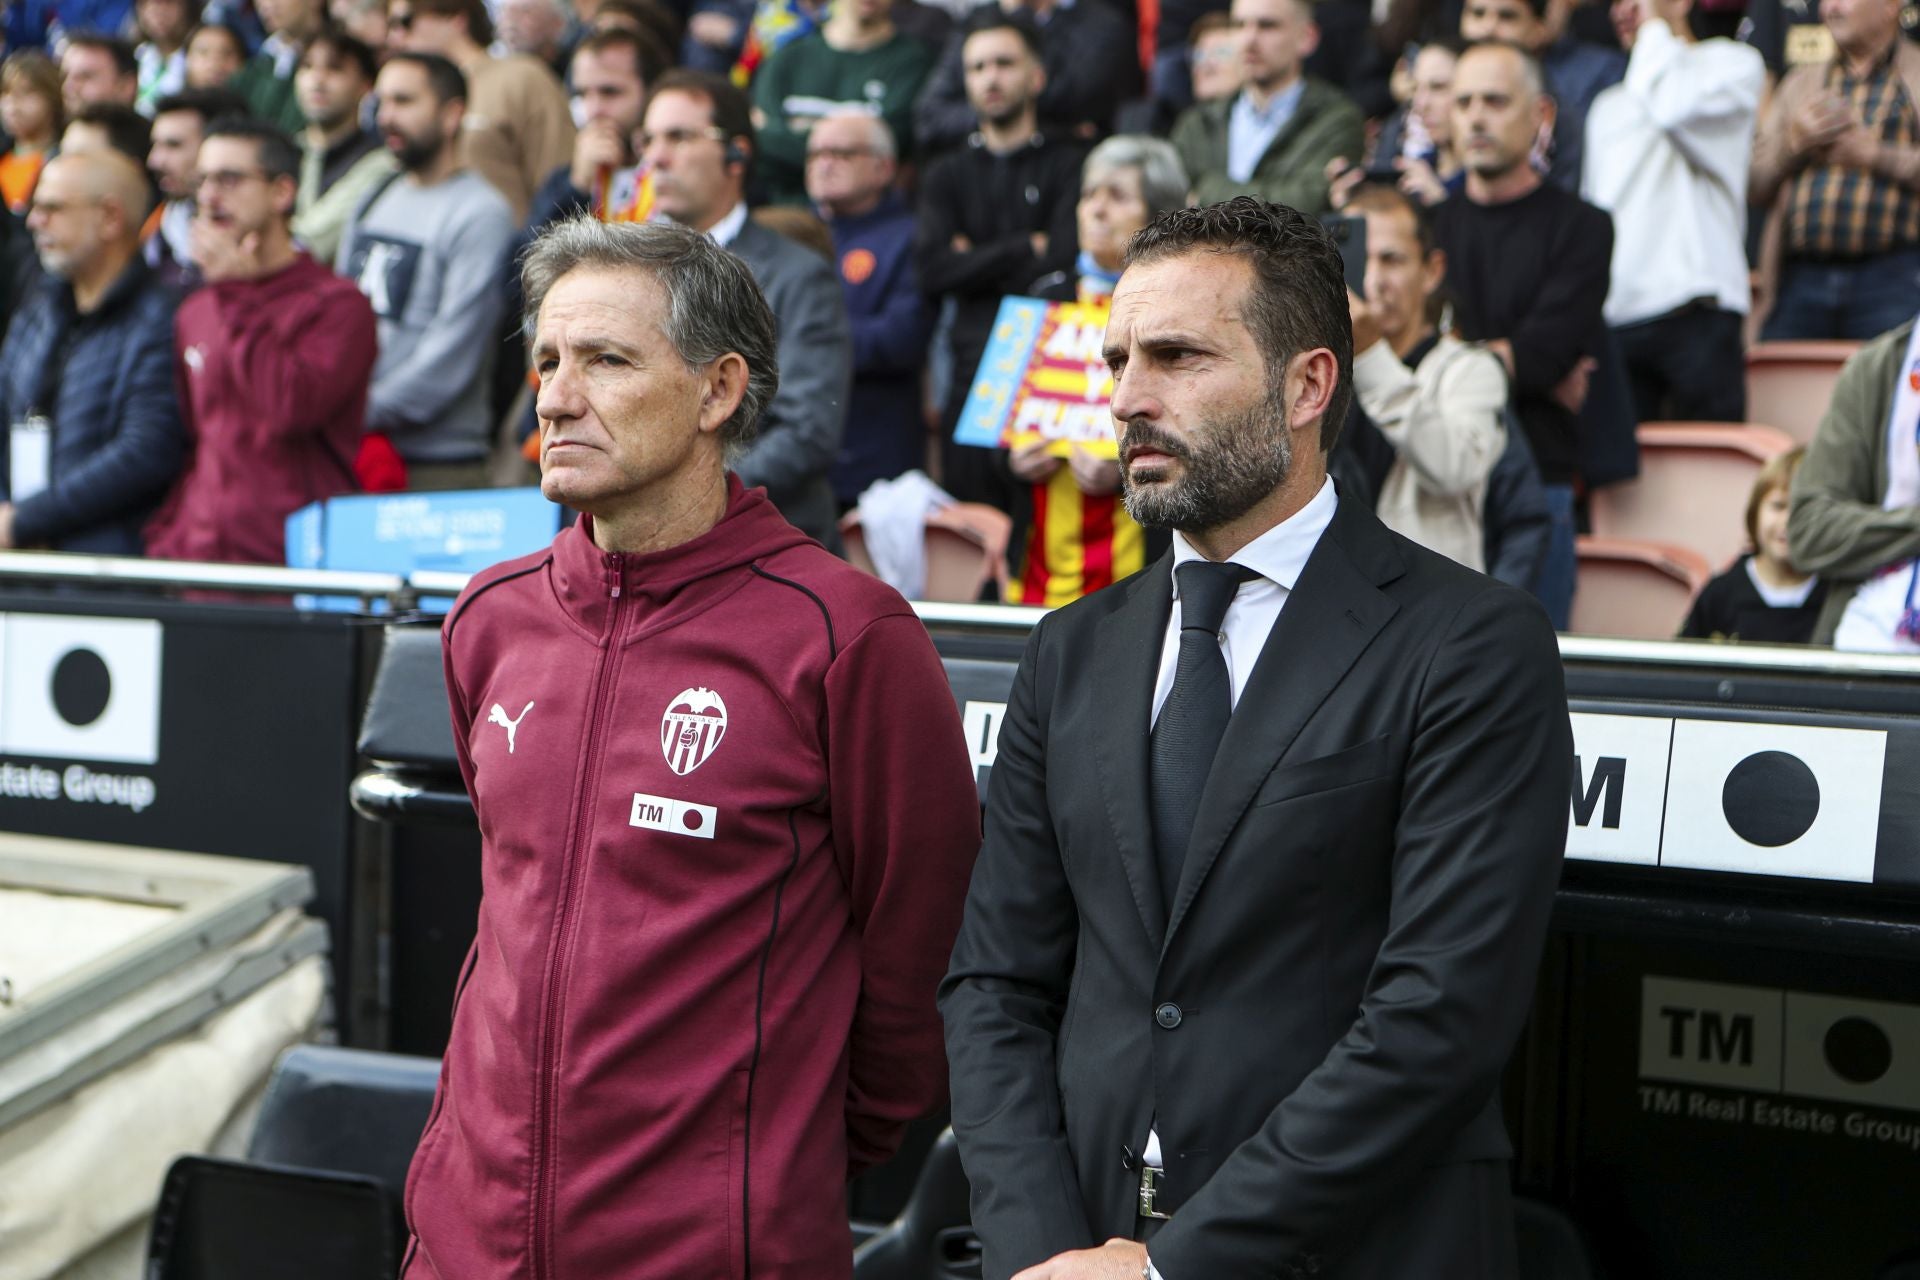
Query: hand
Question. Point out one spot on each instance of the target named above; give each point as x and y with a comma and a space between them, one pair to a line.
1820, 120
221, 253
1039, 241
1096, 476
962, 245
6, 526
599, 146
1855, 148
1570, 393
1366, 323
1419, 180
1032, 463
1115, 1260
715, 30
1342, 177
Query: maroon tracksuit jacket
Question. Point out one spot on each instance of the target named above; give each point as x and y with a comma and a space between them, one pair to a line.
273, 376
729, 820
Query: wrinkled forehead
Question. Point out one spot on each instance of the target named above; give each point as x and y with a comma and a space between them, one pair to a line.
1200, 293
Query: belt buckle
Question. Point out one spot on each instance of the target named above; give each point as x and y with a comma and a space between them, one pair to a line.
1150, 1179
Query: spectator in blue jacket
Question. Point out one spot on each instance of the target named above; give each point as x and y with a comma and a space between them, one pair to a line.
851, 163
87, 371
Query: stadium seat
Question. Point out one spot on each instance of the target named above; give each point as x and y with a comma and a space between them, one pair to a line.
222, 1219
933, 1236
1695, 479
966, 550
1790, 383
1634, 589
346, 1111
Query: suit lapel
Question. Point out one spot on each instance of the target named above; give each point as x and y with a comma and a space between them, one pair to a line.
1331, 616
1127, 655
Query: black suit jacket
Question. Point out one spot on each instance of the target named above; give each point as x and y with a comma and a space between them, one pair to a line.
1349, 957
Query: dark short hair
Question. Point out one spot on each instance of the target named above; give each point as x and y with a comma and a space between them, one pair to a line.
127, 130
650, 57
445, 79
479, 23
119, 50
648, 15
1384, 197
731, 111
347, 47
279, 154
991, 17
208, 104
1299, 296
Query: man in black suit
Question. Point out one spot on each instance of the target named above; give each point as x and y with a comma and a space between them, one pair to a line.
1235, 988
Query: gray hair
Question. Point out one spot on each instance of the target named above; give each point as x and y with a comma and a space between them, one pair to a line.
1163, 179
714, 305
879, 132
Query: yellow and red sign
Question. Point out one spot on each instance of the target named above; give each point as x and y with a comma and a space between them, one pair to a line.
1042, 378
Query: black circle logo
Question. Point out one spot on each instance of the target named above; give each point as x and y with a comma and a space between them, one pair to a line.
1771, 799
1858, 1050
82, 687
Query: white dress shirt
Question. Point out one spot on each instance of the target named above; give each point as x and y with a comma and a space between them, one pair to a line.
725, 231
1278, 556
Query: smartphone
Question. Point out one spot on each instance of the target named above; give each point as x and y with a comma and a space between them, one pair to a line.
1351, 235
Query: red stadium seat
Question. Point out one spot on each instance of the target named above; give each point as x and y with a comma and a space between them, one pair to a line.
1695, 479
1790, 383
966, 549
1635, 589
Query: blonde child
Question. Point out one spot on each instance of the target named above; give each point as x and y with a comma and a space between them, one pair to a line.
31, 113
1763, 598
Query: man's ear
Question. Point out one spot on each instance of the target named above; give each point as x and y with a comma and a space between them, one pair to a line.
1311, 379
725, 387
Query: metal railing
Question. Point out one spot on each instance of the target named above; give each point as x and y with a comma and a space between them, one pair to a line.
401, 593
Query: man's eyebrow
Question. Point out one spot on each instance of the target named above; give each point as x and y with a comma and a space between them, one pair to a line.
1159, 342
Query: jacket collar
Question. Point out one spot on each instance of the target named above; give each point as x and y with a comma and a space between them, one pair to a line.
1334, 612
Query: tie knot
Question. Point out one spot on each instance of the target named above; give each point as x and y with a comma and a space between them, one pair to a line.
1206, 589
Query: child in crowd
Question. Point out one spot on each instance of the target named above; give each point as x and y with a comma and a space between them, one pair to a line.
30, 112
1763, 598
215, 54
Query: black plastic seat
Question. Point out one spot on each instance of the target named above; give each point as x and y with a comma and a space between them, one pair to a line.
407, 734
223, 1219
345, 1111
932, 1239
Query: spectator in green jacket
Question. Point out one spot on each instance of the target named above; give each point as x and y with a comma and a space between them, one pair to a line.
267, 81
857, 61
1274, 138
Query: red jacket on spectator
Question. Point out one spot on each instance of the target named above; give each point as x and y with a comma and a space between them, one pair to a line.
728, 819
273, 377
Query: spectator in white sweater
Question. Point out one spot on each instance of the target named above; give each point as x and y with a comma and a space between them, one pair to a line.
1438, 401
1667, 155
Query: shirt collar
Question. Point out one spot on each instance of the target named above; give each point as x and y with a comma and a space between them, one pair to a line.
724, 232
1280, 105
1280, 553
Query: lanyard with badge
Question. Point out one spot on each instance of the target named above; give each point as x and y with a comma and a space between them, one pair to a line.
30, 438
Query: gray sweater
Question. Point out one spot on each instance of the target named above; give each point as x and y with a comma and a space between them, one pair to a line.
432, 260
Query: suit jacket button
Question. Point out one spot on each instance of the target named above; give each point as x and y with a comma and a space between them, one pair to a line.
1167, 1015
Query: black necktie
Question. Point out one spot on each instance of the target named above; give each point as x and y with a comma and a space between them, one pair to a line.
1195, 714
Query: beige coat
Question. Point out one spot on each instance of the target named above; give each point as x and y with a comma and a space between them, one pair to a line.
1769, 180
1444, 420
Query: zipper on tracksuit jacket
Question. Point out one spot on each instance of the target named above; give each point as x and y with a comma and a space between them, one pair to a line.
547, 1093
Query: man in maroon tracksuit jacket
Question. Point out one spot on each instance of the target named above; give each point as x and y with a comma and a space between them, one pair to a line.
728, 815
274, 355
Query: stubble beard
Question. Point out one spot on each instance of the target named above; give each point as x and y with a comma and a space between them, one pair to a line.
1231, 465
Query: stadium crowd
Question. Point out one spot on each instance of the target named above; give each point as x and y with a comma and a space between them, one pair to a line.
259, 254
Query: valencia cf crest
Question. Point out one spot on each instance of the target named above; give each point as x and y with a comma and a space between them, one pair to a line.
695, 722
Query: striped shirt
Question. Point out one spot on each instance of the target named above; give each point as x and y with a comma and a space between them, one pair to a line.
1078, 543
1842, 213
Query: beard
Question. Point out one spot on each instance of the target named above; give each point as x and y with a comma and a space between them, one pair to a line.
1231, 464
416, 150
